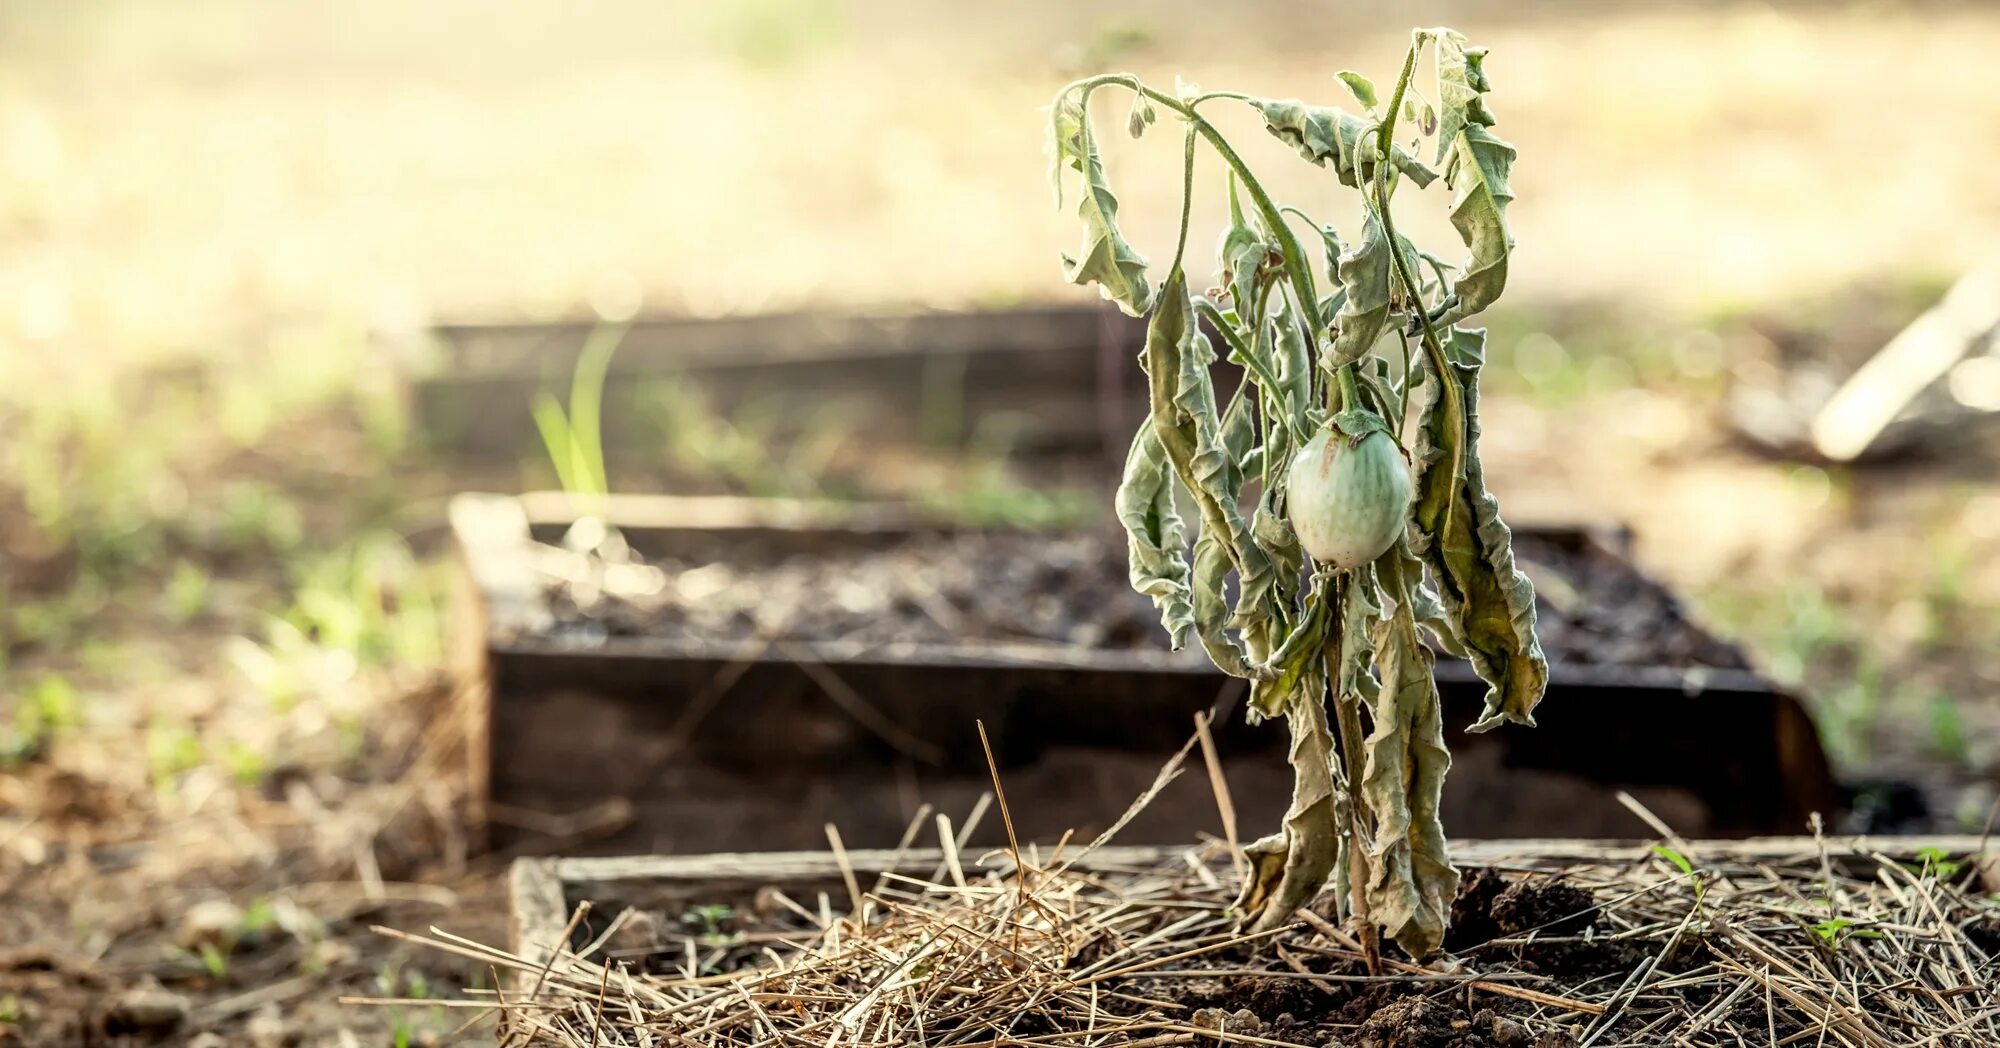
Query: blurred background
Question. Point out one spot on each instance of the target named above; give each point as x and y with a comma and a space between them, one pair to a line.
228, 230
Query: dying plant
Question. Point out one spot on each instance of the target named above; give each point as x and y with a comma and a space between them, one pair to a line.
1340, 484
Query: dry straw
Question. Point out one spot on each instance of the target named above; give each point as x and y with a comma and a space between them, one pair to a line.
1821, 945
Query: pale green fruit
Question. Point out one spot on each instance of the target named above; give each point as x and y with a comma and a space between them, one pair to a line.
1349, 502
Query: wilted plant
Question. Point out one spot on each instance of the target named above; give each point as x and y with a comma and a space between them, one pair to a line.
1341, 483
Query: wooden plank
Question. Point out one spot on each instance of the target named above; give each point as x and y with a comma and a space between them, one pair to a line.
544, 890
765, 339
539, 908
778, 867
1064, 379
1876, 394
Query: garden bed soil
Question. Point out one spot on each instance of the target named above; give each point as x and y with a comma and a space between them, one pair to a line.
1553, 943
948, 586
761, 669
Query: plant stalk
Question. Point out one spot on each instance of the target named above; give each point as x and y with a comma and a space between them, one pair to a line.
1347, 713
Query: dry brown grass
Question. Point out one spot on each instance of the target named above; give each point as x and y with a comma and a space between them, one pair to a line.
1802, 948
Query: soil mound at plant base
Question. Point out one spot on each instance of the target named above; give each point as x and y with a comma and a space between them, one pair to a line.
1418, 1022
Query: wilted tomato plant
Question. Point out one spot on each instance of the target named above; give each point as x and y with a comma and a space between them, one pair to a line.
1340, 485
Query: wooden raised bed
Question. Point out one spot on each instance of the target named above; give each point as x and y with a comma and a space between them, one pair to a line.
743, 745
543, 893
1062, 380
1793, 940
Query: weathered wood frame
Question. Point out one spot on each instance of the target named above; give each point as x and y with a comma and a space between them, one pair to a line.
1755, 758
1066, 374
543, 893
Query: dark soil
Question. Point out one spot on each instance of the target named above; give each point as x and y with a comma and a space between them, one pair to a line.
1065, 589
1593, 607
1985, 935
997, 586
1546, 924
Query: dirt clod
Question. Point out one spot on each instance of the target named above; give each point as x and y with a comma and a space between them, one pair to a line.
1242, 1020
1546, 906
1509, 1033
1414, 1022
1472, 910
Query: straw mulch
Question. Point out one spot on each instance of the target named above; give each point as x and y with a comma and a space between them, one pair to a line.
1823, 948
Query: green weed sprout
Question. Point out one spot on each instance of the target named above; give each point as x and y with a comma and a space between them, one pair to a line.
1352, 439
574, 439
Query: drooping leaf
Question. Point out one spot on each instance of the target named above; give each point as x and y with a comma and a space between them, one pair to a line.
1239, 255
1478, 167
1400, 568
1461, 87
1106, 258
1359, 608
1367, 275
1293, 357
1156, 539
1324, 134
1273, 534
1411, 882
1212, 564
1481, 164
1311, 840
1184, 419
1239, 429
1297, 656
1488, 603
1360, 86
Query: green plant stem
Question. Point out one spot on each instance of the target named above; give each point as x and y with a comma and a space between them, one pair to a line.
1433, 349
1187, 195
1350, 391
1347, 715
1213, 314
1288, 244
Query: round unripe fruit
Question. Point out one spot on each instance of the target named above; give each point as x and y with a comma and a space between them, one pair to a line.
1348, 502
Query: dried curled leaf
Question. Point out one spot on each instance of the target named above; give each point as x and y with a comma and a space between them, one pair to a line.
1488, 603
1325, 134
1310, 844
1478, 167
1411, 882
1155, 537
1292, 355
1368, 287
1240, 254
1367, 272
1401, 568
1106, 258
1184, 419
1461, 87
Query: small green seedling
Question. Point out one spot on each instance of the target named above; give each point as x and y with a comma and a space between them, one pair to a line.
707, 921
1340, 484
1935, 863
1683, 864
574, 439
1836, 930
